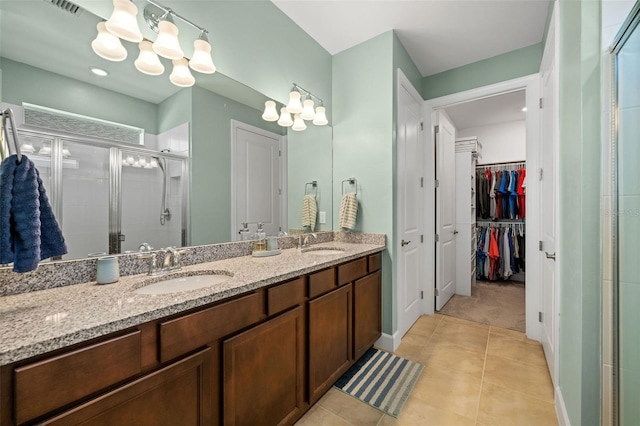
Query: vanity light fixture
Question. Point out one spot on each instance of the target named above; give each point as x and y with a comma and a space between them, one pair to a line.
181, 76
167, 44
285, 119
123, 25
201, 60
148, 62
123, 22
298, 123
270, 111
107, 45
301, 110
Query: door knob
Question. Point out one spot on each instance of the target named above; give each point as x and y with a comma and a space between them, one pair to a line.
404, 243
455, 232
551, 256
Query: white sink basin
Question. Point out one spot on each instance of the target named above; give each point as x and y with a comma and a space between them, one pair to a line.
321, 251
179, 283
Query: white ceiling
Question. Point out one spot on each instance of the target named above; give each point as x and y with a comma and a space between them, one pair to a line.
438, 34
492, 110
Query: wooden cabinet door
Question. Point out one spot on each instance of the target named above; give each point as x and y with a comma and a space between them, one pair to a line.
330, 344
367, 315
178, 394
264, 372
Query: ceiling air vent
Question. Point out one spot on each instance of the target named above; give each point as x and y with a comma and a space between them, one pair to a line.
67, 6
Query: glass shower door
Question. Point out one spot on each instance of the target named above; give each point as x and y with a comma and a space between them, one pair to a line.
152, 200
627, 198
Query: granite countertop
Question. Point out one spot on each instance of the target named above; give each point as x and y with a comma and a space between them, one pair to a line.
41, 321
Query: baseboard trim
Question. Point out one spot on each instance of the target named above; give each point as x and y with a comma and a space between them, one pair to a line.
561, 409
388, 342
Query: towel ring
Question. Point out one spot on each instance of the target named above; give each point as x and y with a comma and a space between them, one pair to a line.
351, 181
9, 113
314, 187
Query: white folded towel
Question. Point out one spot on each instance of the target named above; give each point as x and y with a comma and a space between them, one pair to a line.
309, 211
348, 211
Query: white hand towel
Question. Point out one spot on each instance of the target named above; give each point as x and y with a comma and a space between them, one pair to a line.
349, 211
309, 211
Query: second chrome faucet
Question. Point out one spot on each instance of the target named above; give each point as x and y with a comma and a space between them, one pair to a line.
163, 261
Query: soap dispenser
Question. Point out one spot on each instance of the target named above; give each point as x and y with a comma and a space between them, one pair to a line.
261, 241
244, 232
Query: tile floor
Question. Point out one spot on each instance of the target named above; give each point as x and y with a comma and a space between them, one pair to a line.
475, 374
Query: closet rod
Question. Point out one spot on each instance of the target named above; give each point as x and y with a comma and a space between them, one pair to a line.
508, 163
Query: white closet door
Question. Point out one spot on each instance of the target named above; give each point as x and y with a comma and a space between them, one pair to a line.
446, 210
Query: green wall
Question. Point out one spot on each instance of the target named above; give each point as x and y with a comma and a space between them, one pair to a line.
363, 142
211, 162
24, 83
175, 110
510, 65
579, 210
309, 158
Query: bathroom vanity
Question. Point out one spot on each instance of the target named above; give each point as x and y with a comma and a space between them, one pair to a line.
261, 348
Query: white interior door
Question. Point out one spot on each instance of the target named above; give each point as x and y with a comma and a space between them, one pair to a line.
445, 138
548, 203
410, 192
256, 179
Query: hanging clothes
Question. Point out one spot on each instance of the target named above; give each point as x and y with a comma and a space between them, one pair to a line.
500, 193
500, 251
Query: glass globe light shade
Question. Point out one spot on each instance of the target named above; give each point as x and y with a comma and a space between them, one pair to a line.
108, 46
123, 22
321, 117
294, 106
307, 110
298, 123
285, 118
201, 60
167, 45
181, 76
148, 62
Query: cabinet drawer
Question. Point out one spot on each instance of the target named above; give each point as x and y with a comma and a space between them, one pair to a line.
53, 383
352, 271
284, 296
375, 262
190, 332
321, 282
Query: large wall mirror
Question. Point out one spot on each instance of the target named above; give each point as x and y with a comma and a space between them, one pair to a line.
177, 184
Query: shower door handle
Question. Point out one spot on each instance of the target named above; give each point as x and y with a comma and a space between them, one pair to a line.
551, 256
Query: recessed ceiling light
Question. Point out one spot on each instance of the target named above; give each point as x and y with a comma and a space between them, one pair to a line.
524, 109
99, 71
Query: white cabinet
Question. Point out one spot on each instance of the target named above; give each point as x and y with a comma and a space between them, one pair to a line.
465, 215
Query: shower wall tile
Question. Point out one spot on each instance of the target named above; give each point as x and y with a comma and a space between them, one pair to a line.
629, 230
629, 151
607, 238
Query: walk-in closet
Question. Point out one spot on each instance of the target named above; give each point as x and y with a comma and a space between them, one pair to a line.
491, 210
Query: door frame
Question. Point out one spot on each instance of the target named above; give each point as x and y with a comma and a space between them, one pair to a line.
239, 125
531, 85
403, 83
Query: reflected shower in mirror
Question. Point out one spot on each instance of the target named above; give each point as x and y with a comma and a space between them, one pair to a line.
46, 61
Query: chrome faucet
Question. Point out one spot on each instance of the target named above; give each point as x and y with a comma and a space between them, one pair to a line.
144, 247
171, 260
305, 242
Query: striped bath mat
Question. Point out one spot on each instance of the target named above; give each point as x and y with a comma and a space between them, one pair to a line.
382, 380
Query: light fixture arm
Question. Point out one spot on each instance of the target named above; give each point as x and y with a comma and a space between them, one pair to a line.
169, 12
304, 91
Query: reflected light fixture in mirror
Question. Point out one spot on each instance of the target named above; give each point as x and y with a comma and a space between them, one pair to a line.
167, 44
301, 113
270, 111
108, 46
298, 123
285, 119
123, 25
148, 62
181, 76
201, 60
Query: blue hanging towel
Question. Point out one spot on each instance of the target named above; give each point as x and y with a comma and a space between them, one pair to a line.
29, 231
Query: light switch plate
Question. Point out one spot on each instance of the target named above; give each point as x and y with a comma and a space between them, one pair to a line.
323, 217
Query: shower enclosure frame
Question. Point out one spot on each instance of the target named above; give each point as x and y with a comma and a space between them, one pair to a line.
631, 24
115, 150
